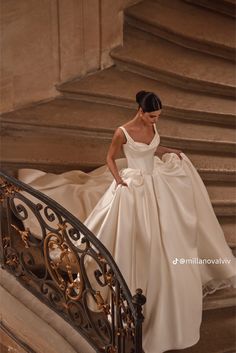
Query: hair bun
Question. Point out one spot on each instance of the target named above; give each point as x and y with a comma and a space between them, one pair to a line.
148, 101
140, 95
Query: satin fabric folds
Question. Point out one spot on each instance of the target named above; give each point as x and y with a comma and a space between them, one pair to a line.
164, 215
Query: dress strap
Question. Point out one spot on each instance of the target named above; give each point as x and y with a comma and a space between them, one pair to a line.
125, 132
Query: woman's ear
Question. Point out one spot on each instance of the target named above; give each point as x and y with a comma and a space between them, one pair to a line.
140, 111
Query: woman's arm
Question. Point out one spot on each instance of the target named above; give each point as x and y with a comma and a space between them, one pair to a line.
113, 151
162, 149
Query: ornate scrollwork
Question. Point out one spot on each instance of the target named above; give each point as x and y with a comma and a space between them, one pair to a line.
7, 189
101, 304
24, 234
12, 259
62, 262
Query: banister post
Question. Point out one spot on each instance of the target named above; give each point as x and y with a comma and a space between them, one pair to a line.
139, 300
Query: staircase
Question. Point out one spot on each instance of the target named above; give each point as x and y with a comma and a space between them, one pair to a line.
182, 50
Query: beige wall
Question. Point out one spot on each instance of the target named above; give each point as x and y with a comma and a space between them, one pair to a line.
46, 42
79, 37
112, 27
29, 46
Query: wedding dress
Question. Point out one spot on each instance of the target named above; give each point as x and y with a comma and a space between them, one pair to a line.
157, 228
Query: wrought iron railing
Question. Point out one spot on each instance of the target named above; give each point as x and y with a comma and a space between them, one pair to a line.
60, 261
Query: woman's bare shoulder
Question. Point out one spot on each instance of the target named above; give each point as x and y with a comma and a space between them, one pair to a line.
129, 126
119, 135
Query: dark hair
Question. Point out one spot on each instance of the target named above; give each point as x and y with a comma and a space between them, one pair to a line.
148, 101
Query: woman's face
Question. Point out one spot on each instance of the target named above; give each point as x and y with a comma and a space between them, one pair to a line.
151, 117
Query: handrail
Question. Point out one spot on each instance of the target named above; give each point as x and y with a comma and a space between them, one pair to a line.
61, 261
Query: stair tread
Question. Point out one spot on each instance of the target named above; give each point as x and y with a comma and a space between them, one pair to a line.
226, 192
199, 132
226, 7
70, 113
231, 2
217, 333
229, 227
128, 84
186, 20
171, 59
214, 161
25, 145
220, 298
23, 149
75, 114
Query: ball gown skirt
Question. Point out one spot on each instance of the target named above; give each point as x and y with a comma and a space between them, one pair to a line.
162, 218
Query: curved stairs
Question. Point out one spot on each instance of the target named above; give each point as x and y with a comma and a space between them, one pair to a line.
176, 48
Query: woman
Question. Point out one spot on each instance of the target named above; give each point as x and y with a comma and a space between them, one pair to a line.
142, 127
156, 219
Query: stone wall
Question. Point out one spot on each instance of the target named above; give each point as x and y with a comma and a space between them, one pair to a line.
43, 43
29, 51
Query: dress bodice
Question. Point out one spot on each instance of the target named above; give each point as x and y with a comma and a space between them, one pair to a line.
140, 155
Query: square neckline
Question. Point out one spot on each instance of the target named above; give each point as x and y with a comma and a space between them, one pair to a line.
143, 143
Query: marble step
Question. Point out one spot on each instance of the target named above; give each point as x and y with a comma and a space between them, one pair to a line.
224, 207
222, 298
211, 160
72, 117
159, 59
191, 135
48, 159
41, 148
65, 114
229, 227
217, 333
185, 24
177, 103
226, 7
222, 191
223, 196
51, 152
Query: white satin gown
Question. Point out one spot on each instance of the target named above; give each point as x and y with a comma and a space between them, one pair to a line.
162, 218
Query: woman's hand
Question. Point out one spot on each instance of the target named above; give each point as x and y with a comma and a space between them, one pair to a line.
121, 182
162, 150
178, 152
